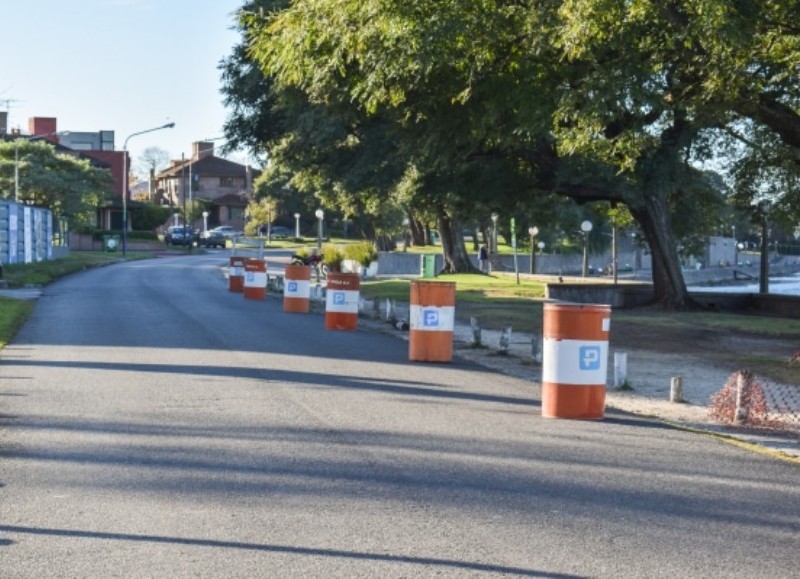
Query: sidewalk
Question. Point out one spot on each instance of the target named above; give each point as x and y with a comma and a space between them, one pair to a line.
649, 372
31, 293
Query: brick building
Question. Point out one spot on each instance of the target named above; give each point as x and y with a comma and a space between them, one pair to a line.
223, 186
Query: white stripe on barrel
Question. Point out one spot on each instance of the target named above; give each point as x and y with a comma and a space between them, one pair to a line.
432, 318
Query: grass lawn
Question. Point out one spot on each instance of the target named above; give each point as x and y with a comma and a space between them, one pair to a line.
761, 343
13, 314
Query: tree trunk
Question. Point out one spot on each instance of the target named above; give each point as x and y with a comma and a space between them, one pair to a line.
669, 288
454, 251
418, 233
385, 242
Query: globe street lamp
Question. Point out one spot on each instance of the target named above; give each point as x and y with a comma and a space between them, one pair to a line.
495, 216
297, 226
533, 231
586, 227
125, 179
320, 214
540, 245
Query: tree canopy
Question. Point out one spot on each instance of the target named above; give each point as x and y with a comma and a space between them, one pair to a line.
597, 100
67, 185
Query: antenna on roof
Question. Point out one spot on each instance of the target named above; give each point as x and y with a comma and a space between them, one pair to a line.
8, 103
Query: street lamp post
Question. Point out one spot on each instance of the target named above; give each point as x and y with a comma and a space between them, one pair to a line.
125, 180
540, 245
763, 277
320, 214
297, 226
495, 216
614, 251
533, 231
586, 227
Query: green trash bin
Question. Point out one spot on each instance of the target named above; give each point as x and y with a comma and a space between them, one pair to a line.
110, 243
427, 266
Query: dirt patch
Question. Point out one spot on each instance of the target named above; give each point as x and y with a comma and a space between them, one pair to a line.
650, 337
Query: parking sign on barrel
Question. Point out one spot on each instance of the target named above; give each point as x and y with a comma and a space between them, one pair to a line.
341, 301
431, 321
255, 279
575, 360
297, 288
236, 274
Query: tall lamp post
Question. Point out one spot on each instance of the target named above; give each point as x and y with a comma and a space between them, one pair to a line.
586, 227
763, 277
125, 180
320, 214
614, 251
297, 226
495, 216
533, 231
540, 245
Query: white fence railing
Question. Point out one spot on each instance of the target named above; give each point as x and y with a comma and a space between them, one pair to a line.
26, 233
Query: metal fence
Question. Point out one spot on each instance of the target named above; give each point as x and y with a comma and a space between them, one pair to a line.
26, 233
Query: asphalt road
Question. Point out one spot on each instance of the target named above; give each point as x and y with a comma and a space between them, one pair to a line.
153, 424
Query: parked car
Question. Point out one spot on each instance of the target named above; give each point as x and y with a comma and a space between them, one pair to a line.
179, 235
228, 231
212, 238
280, 232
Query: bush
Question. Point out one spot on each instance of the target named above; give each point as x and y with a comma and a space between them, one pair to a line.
99, 235
333, 256
149, 216
363, 252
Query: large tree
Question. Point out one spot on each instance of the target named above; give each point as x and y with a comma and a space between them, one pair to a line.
598, 100
67, 185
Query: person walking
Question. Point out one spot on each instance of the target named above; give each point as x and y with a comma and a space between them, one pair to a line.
483, 258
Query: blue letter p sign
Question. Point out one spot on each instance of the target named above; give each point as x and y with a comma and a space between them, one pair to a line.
430, 319
589, 357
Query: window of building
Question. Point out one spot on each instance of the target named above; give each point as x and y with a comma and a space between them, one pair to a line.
226, 181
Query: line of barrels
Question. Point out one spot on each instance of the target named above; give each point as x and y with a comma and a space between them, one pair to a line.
574, 337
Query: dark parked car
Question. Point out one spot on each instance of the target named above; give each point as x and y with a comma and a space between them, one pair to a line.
212, 238
179, 235
280, 232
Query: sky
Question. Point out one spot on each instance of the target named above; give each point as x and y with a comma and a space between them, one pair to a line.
120, 65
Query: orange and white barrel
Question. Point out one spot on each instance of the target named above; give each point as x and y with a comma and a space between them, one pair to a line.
575, 360
341, 301
255, 279
297, 289
236, 274
431, 321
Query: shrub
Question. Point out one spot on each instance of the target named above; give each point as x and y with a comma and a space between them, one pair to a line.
303, 252
333, 256
363, 252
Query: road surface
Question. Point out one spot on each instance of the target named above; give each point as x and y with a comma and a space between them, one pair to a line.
154, 424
